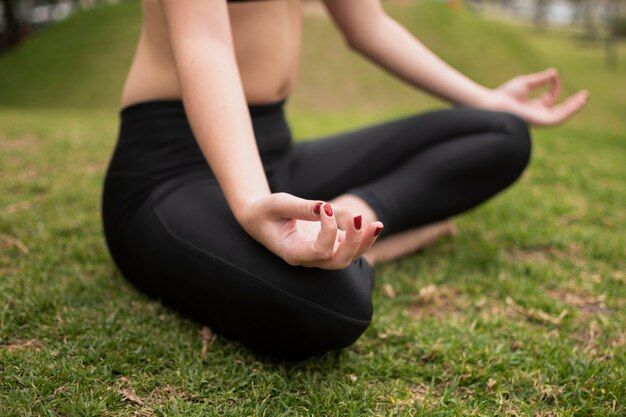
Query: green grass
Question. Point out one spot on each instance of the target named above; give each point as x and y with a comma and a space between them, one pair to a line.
79, 62
521, 314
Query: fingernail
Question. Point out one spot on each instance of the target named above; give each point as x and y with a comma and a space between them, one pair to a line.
357, 222
377, 231
328, 209
316, 209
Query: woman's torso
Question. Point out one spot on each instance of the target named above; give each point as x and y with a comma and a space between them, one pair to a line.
266, 38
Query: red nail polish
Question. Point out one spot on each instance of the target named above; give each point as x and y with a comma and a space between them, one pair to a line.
377, 231
328, 209
316, 209
357, 222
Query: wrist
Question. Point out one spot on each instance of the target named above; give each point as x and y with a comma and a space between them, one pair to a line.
490, 99
246, 209
496, 100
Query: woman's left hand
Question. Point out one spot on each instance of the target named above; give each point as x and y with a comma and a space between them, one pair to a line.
514, 96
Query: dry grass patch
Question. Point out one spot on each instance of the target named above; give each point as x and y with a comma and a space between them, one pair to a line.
208, 337
16, 207
586, 304
574, 254
434, 301
155, 398
21, 143
20, 344
7, 242
536, 314
416, 393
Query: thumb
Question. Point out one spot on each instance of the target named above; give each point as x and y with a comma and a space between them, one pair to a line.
291, 207
538, 79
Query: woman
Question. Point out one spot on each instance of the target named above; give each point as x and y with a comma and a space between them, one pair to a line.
209, 206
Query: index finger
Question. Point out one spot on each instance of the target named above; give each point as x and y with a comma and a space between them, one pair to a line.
550, 97
291, 207
538, 79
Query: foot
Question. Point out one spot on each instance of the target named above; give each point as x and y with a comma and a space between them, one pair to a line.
407, 242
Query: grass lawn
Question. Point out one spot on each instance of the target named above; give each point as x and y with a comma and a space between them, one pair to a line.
521, 314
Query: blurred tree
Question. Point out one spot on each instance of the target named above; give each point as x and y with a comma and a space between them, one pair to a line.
14, 30
613, 32
20, 17
541, 13
586, 10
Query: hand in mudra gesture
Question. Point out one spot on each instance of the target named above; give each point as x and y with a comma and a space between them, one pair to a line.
305, 233
514, 96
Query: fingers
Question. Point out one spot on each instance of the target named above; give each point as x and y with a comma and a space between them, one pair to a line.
543, 116
570, 106
370, 234
551, 96
555, 115
325, 243
539, 79
337, 249
349, 247
332, 248
357, 241
291, 207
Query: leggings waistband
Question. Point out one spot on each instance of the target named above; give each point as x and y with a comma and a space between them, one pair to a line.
176, 107
155, 139
166, 119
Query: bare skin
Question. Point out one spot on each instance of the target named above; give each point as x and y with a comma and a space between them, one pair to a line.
266, 39
394, 246
185, 51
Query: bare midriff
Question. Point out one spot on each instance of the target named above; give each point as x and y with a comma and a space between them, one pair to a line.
266, 36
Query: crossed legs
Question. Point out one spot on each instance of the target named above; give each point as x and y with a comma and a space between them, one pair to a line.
412, 174
173, 235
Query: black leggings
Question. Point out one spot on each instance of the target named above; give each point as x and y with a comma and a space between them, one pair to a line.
171, 233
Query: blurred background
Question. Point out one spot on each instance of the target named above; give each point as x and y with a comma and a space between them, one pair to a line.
528, 314
598, 18
75, 53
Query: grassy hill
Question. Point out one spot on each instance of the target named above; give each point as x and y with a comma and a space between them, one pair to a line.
521, 314
82, 62
79, 62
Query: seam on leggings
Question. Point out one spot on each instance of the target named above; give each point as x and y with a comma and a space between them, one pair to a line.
255, 279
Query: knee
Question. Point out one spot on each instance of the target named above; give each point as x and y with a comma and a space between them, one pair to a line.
320, 332
516, 143
305, 332
307, 327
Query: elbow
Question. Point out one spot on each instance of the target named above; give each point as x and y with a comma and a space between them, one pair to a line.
354, 43
351, 44
365, 37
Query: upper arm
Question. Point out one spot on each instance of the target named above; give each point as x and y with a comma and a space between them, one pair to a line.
356, 19
198, 30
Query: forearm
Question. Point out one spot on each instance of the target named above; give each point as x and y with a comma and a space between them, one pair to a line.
214, 99
218, 114
384, 41
390, 45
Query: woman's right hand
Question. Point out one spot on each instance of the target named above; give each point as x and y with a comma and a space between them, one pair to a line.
305, 232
